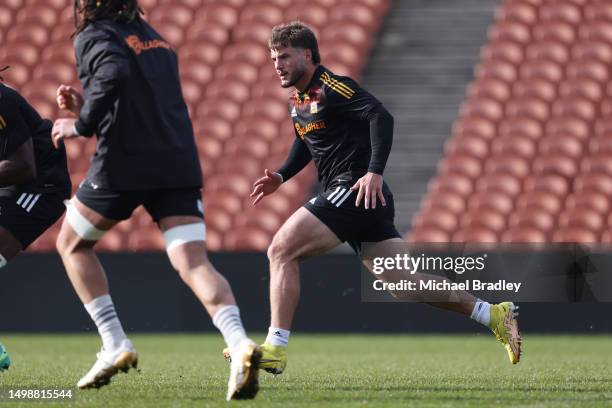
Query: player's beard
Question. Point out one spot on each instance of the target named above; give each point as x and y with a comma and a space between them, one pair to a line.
294, 78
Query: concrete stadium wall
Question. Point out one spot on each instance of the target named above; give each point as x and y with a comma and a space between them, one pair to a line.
36, 296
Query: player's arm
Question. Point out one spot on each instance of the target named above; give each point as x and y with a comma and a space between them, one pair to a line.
357, 104
299, 157
17, 163
108, 64
19, 167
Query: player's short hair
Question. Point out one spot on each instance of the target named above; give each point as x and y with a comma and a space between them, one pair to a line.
88, 11
2, 70
295, 34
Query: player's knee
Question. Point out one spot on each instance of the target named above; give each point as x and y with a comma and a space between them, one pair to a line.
278, 251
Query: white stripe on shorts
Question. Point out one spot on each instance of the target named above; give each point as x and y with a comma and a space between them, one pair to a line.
334, 193
33, 202
338, 196
339, 203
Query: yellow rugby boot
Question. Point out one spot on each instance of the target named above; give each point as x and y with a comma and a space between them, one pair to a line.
504, 325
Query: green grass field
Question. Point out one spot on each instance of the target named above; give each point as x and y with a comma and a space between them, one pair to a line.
330, 370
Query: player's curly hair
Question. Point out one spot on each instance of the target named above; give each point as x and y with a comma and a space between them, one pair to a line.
295, 34
2, 70
88, 11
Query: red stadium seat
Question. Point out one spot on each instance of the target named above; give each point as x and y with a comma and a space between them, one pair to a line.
598, 11
510, 31
451, 201
535, 88
589, 199
523, 235
492, 200
460, 164
537, 218
592, 69
250, 52
354, 12
437, 218
468, 145
597, 31
264, 12
542, 69
274, 110
555, 163
518, 12
351, 33
240, 71
257, 127
218, 219
225, 109
575, 107
219, 13
548, 51
574, 235
562, 12
175, 14
313, 15
247, 239
504, 183
234, 90
569, 125
260, 218
477, 235
489, 88
497, 70
593, 50
44, 15
521, 126
427, 235
540, 199
253, 147
582, 218
528, 107
213, 127
485, 218
521, 146
23, 52
504, 50
598, 182
508, 163
598, 163
566, 145
548, 182
582, 88
475, 125
453, 183
208, 32
207, 53
555, 31
486, 108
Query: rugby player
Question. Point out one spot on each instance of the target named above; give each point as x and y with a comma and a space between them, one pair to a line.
34, 180
146, 155
348, 133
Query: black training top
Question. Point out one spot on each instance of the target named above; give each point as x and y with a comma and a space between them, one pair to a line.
342, 127
134, 103
19, 122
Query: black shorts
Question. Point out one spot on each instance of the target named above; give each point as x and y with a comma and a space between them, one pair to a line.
355, 225
26, 215
119, 205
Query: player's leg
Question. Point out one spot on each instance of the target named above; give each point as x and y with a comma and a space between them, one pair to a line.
24, 217
9, 247
179, 215
302, 236
80, 231
500, 318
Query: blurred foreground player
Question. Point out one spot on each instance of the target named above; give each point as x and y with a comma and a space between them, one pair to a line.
146, 155
34, 179
348, 134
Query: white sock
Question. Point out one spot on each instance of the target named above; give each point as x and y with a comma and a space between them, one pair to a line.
227, 320
102, 312
278, 337
482, 312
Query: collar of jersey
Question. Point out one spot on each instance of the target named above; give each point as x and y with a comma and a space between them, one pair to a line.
315, 76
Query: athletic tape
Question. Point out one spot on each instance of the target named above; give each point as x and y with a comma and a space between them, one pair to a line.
81, 225
183, 234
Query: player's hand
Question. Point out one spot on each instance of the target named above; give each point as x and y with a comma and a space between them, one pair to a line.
370, 187
63, 129
69, 99
266, 185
